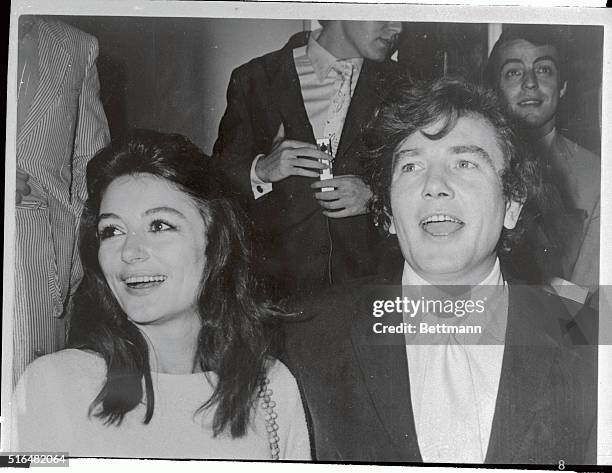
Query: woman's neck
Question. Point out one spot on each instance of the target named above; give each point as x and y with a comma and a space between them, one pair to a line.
172, 347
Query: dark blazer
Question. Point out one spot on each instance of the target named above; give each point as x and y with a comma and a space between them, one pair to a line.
298, 247
357, 392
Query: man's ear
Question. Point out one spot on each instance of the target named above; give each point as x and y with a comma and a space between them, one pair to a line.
513, 211
563, 90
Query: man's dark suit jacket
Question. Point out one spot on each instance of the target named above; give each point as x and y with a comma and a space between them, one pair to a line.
297, 246
357, 392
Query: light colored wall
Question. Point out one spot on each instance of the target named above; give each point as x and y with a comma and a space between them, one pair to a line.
171, 74
233, 42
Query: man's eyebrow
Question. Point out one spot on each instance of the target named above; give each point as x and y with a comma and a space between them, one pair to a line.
408, 152
538, 59
510, 61
546, 58
405, 153
473, 149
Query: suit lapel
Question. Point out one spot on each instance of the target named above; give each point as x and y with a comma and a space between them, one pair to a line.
524, 393
285, 89
360, 108
385, 372
54, 62
529, 356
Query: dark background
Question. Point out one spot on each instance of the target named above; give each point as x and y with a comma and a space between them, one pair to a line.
171, 74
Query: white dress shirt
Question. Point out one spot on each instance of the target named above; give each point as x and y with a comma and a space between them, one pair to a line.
453, 386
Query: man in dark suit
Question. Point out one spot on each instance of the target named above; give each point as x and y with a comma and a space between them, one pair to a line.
498, 377
528, 67
322, 86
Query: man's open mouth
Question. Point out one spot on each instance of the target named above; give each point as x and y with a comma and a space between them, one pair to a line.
143, 282
441, 224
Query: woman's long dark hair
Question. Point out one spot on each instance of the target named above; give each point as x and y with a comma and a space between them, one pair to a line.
238, 333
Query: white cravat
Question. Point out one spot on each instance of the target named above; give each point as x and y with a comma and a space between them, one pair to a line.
340, 104
453, 386
448, 419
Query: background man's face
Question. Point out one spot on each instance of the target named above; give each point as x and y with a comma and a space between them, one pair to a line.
447, 202
374, 40
530, 83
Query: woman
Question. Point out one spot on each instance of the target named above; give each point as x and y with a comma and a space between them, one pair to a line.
170, 355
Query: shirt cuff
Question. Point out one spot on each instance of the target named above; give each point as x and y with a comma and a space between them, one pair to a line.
259, 187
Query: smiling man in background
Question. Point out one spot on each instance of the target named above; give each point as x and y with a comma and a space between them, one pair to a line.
528, 67
322, 86
449, 178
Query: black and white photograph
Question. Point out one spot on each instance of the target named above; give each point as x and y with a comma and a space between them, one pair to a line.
319, 233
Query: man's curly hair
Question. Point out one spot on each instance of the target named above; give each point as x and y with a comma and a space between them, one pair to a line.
408, 107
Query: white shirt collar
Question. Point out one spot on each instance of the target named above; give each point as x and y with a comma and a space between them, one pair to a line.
411, 278
493, 288
547, 140
322, 60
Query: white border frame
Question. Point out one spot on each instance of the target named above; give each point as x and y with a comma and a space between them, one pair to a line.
414, 11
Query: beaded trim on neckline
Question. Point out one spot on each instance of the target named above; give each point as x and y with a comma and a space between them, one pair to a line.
268, 405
